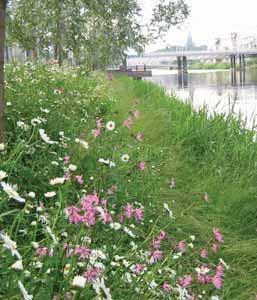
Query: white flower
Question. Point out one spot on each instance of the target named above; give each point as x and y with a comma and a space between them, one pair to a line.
115, 226
50, 194
3, 174
45, 110
2, 146
45, 137
165, 205
83, 143
125, 158
107, 162
17, 265
223, 263
79, 281
110, 126
214, 298
31, 194
99, 285
11, 192
58, 180
72, 168
129, 232
24, 292
35, 245
22, 125
53, 237
10, 245
192, 237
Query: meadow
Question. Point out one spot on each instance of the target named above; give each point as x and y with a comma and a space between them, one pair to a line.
112, 189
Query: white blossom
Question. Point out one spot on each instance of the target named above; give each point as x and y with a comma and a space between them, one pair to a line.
10, 245
17, 265
24, 292
11, 192
79, 281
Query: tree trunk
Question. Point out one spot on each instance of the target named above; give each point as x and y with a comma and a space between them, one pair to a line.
2, 43
34, 54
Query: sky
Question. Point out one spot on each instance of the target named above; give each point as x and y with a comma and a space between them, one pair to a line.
210, 19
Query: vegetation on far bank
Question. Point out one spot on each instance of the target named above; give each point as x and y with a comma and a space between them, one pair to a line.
113, 190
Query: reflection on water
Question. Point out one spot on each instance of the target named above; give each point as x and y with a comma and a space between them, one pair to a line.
215, 91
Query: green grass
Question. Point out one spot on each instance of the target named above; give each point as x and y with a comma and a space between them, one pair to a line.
209, 66
213, 155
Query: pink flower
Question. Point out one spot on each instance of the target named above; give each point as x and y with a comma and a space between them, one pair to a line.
142, 165
106, 218
136, 114
185, 281
98, 123
138, 214
217, 281
203, 253
166, 287
92, 274
96, 132
214, 248
67, 175
73, 214
83, 252
182, 246
42, 251
217, 235
129, 210
162, 235
156, 256
138, 268
66, 159
139, 137
79, 179
128, 122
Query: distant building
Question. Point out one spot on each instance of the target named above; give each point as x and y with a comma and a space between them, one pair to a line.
190, 44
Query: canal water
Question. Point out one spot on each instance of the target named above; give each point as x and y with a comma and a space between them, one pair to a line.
213, 89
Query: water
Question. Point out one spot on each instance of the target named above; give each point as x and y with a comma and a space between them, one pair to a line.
213, 89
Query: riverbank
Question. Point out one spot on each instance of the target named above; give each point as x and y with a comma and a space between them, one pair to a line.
177, 189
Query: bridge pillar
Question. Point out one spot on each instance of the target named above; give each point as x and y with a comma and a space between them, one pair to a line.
184, 64
233, 69
179, 61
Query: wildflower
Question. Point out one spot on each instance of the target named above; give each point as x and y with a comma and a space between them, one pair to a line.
203, 253
99, 285
110, 126
82, 252
214, 248
137, 268
57, 180
45, 137
165, 205
72, 168
166, 287
128, 123
96, 132
182, 246
2, 146
31, 195
217, 235
128, 210
185, 281
79, 179
53, 237
142, 165
92, 274
139, 137
22, 125
217, 281
136, 114
83, 143
116, 226
11, 192
73, 214
41, 251
125, 158
50, 194
172, 183
18, 266
2, 175
138, 214
156, 256
24, 292
79, 281
66, 159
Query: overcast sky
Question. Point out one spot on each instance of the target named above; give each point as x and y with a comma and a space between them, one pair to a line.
210, 19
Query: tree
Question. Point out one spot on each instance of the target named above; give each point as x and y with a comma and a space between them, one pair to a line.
2, 43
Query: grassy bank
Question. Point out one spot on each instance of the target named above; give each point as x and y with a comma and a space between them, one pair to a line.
123, 189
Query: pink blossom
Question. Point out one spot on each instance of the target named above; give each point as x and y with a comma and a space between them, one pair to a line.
138, 214
92, 274
217, 235
217, 281
83, 252
203, 253
166, 287
128, 210
106, 218
136, 114
139, 137
182, 246
89, 217
42, 251
138, 268
185, 281
156, 256
128, 122
79, 179
142, 165
87, 202
66, 159
98, 123
73, 214
96, 132
67, 175
162, 235
214, 248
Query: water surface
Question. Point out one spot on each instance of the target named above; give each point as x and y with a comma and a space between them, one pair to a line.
214, 90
